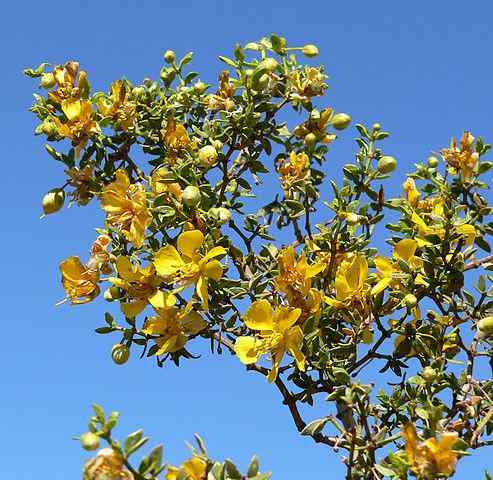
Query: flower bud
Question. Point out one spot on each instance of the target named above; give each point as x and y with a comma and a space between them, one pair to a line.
429, 374
139, 93
485, 325
53, 201
310, 140
376, 127
341, 121
386, 164
269, 64
111, 294
433, 162
89, 441
262, 82
120, 353
200, 87
191, 196
47, 80
221, 215
49, 128
410, 300
208, 156
217, 144
352, 218
310, 51
169, 56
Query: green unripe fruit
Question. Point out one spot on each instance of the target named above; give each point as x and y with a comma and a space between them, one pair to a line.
386, 164
120, 353
53, 201
485, 325
433, 162
310, 51
269, 64
429, 374
221, 215
341, 121
169, 56
89, 441
47, 80
410, 300
310, 140
191, 196
376, 127
200, 87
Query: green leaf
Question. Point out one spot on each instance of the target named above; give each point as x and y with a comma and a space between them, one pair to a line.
185, 60
314, 427
99, 412
232, 470
228, 61
387, 472
253, 467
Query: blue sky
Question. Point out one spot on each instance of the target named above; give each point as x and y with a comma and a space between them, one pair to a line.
422, 69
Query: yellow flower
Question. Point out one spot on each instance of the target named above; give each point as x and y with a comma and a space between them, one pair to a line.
117, 106
126, 208
389, 271
350, 283
80, 282
173, 326
432, 457
176, 137
307, 83
223, 99
425, 230
464, 159
140, 286
297, 168
186, 266
412, 193
80, 179
80, 123
106, 465
100, 257
278, 334
160, 183
465, 230
71, 83
193, 469
295, 280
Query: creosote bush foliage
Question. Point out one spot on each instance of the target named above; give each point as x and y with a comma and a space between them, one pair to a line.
224, 225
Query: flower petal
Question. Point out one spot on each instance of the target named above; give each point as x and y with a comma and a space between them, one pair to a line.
246, 351
189, 242
167, 261
259, 316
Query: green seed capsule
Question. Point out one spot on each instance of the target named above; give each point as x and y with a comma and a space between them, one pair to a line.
485, 325
386, 164
191, 196
310, 51
89, 441
53, 201
47, 80
341, 121
169, 56
410, 300
120, 354
433, 162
